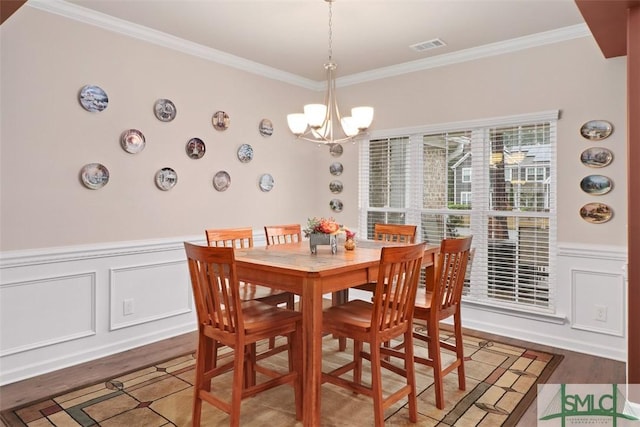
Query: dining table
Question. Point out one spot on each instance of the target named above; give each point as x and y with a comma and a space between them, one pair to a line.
292, 267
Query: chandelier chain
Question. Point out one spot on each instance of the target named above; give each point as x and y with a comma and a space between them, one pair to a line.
330, 33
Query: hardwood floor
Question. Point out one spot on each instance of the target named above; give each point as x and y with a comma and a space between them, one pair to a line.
576, 368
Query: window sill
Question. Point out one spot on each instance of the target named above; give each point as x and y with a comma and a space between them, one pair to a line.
494, 307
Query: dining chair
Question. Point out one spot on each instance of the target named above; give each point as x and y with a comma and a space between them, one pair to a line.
281, 234
239, 238
440, 303
392, 233
390, 315
224, 317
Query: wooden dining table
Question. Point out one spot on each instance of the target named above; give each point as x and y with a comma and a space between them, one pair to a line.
293, 268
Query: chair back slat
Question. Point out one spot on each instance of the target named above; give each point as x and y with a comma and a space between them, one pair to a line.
282, 234
450, 271
230, 237
396, 233
398, 276
215, 287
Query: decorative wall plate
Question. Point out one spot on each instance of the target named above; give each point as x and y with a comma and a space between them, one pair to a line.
265, 127
266, 182
596, 184
245, 153
94, 175
132, 141
596, 213
164, 110
336, 168
335, 186
93, 98
336, 205
221, 181
336, 150
166, 179
596, 130
596, 157
195, 148
220, 120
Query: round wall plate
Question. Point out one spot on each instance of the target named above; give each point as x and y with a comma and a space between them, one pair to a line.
164, 110
266, 182
166, 179
93, 98
94, 175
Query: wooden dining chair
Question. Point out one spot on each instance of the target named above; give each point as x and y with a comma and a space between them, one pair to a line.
442, 303
281, 234
239, 238
390, 315
224, 317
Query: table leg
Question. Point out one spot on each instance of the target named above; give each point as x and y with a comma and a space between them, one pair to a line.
312, 350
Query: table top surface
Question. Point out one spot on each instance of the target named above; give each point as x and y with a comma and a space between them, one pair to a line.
298, 256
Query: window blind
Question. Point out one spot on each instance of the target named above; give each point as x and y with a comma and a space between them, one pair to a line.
493, 180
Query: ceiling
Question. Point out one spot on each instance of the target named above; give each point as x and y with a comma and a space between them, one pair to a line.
291, 36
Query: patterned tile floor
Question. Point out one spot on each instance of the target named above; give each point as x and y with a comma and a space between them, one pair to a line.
498, 379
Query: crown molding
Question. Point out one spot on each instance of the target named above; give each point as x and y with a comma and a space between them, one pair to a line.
120, 26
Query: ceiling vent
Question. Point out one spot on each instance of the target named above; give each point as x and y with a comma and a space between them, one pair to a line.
431, 44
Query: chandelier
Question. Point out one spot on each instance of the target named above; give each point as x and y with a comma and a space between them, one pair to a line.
319, 122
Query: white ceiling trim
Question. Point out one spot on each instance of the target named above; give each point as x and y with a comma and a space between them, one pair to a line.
159, 38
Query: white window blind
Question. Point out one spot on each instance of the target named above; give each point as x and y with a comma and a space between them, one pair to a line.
494, 180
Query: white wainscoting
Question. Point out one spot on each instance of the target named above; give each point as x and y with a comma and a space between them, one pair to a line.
64, 306
590, 278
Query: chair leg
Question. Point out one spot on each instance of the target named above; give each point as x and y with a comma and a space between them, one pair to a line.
337, 298
203, 364
295, 357
459, 351
236, 393
409, 364
357, 358
376, 384
434, 355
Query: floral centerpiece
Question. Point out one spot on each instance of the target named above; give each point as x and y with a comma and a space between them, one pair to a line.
323, 231
323, 226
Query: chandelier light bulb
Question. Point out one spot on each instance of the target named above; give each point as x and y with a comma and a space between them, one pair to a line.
297, 123
363, 116
315, 114
349, 126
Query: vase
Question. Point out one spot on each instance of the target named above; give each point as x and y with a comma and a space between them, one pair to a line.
316, 239
349, 244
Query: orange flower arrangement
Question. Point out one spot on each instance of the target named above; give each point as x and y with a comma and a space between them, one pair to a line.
323, 225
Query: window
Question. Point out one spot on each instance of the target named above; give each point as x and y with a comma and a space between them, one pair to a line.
466, 174
493, 180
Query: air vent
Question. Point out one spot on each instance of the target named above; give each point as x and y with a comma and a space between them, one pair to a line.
431, 44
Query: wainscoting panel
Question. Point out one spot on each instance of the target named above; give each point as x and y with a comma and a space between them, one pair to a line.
149, 292
64, 306
33, 314
597, 300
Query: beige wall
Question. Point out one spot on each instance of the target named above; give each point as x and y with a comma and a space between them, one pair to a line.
47, 136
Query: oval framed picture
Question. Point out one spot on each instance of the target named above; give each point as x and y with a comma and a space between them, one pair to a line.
132, 141
195, 148
93, 98
220, 120
336, 150
336, 169
335, 186
265, 127
266, 182
596, 130
221, 181
94, 175
596, 184
165, 110
596, 213
596, 157
245, 153
166, 179
336, 205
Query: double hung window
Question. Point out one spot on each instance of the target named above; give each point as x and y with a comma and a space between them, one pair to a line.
493, 179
